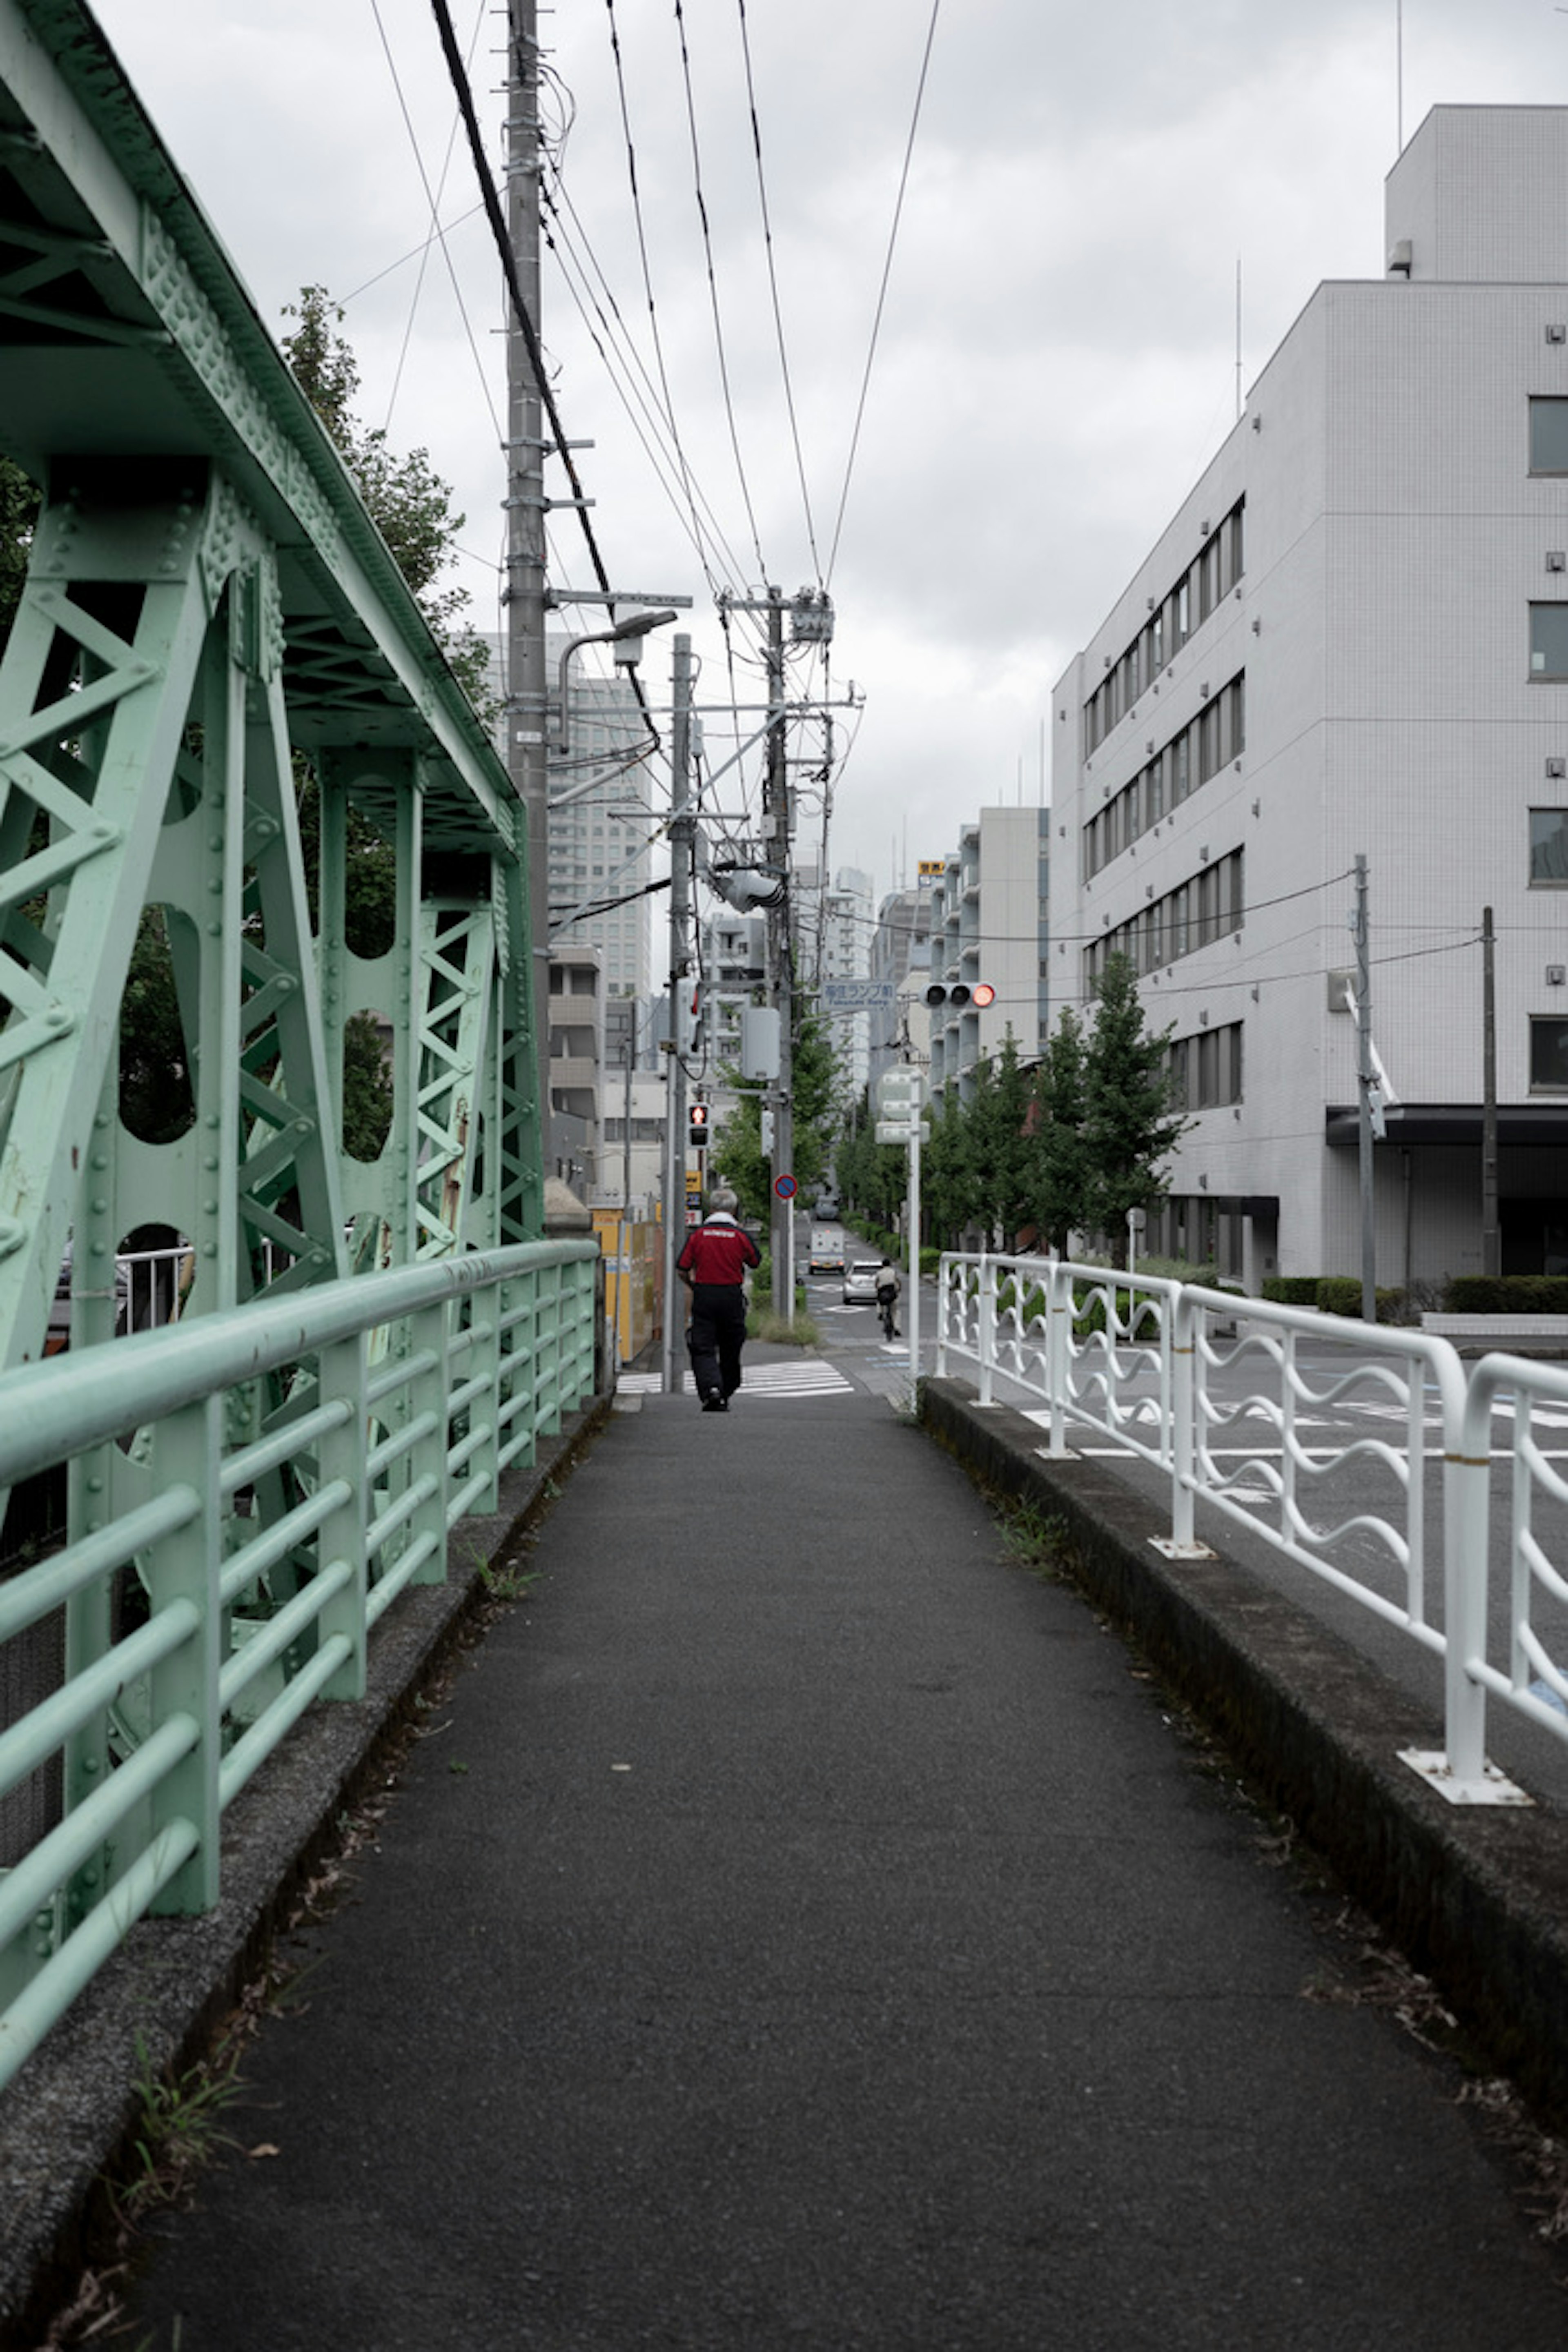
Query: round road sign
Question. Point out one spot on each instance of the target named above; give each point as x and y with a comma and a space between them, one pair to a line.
785, 1187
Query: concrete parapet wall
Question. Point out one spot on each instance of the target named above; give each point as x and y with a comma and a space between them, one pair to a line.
1477, 1898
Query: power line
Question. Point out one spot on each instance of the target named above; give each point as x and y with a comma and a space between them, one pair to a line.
509, 269
774, 288
882, 290
713, 289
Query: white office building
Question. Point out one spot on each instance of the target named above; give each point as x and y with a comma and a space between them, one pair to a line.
990, 927
1353, 638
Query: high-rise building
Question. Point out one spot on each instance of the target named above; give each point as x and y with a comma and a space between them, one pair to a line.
1352, 639
600, 829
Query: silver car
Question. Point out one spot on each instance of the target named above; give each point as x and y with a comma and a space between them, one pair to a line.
860, 1282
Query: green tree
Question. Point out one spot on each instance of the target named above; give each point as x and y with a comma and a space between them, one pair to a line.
1128, 1125
1058, 1167
947, 1181
814, 1084
873, 1177
409, 502
737, 1153
997, 1144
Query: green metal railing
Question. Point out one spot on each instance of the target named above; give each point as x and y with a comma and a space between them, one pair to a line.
228, 1562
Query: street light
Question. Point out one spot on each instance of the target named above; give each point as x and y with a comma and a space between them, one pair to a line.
626, 636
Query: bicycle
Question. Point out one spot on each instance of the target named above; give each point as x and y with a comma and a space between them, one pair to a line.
887, 1311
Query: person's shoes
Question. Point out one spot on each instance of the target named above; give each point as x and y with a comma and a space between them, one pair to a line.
714, 1402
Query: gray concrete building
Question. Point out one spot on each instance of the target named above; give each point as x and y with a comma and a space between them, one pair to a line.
1353, 637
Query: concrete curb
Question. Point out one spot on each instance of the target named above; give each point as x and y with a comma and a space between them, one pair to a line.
72, 2109
1478, 1898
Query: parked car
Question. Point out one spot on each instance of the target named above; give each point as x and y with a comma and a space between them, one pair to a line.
860, 1282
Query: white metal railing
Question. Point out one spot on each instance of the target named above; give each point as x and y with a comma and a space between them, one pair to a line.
1236, 1403
259, 1486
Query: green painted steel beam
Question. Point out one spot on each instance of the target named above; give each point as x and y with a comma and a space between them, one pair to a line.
125, 332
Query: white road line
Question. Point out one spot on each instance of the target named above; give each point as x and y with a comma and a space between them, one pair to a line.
812, 1378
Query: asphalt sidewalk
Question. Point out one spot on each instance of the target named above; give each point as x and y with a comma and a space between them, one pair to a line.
802, 1925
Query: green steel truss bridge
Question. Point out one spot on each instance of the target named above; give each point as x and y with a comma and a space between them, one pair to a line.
364, 1347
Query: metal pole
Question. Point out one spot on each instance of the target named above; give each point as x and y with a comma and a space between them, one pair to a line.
682, 826
1361, 925
526, 756
1491, 1238
913, 1319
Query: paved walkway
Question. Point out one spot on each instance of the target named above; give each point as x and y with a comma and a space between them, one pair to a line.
801, 1926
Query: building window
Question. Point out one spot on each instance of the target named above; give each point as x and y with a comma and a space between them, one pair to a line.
1548, 1055
1548, 435
1549, 641
1549, 846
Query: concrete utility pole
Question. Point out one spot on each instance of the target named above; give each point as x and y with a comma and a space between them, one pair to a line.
682, 829
781, 964
526, 755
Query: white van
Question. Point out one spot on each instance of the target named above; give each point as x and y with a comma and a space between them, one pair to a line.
827, 1250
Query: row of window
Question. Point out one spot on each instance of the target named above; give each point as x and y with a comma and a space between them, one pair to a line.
1186, 919
1208, 743
1206, 581
1206, 1068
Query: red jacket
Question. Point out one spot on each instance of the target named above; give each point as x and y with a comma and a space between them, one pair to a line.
718, 1251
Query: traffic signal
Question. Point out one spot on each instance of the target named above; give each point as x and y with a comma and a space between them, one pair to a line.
699, 1134
957, 993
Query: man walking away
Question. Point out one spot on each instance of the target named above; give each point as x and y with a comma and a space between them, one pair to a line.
714, 1267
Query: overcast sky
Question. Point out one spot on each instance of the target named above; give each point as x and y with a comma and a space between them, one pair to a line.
1057, 358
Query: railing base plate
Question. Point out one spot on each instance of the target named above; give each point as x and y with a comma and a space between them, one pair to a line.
1493, 1788
1169, 1549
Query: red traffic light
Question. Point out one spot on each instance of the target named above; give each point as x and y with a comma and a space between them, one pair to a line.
983, 993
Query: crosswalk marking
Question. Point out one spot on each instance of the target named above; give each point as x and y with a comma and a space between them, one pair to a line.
811, 1377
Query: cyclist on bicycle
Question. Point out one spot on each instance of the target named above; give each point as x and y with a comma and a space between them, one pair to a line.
888, 1288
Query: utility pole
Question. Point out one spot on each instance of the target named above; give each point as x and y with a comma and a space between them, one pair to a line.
1360, 926
780, 965
526, 756
682, 829
1491, 1239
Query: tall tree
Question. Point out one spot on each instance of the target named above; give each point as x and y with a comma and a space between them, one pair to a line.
947, 1183
1058, 1169
996, 1119
1128, 1125
409, 502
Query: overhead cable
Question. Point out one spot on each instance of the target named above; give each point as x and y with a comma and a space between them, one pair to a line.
882, 292
774, 288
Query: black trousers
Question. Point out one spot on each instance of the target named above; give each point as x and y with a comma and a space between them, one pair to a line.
715, 1336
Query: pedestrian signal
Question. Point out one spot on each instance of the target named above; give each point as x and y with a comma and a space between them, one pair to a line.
699, 1133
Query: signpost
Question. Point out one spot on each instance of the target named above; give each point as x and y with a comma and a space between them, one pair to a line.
784, 1186
857, 995
901, 1102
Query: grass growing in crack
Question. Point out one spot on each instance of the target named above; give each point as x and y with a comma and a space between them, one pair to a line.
180, 2127
1032, 1540
508, 1579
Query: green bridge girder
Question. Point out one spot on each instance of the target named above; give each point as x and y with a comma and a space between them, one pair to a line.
207, 597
